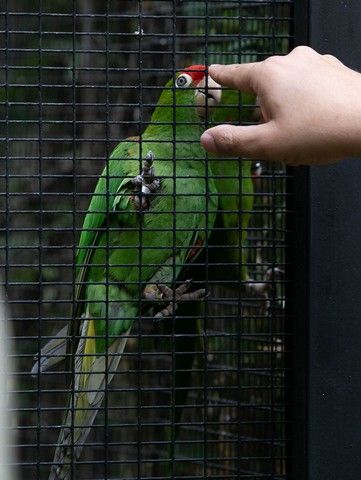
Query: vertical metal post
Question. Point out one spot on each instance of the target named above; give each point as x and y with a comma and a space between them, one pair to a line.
330, 331
298, 291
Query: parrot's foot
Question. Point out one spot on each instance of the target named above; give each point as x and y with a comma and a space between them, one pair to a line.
146, 184
162, 293
263, 290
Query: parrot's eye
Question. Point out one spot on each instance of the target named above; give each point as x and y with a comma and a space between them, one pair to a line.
183, 81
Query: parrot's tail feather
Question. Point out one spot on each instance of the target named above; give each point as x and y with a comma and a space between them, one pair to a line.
89, 391
52, 353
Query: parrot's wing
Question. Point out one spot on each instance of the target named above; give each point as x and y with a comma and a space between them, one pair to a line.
119, 171
52, 353
121, 168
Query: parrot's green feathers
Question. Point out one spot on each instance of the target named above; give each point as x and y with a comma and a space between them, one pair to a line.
235, 108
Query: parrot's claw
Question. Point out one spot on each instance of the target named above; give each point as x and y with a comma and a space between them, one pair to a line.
146, 184
163, 293
262, 290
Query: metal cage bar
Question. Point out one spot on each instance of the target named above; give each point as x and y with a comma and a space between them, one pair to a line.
204, 393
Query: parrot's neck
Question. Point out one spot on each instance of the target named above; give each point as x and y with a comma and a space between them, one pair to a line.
168, 123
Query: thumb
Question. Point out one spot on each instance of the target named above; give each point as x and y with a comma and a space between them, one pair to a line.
250, 141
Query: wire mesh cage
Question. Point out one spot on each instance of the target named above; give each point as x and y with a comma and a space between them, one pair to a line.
167, 282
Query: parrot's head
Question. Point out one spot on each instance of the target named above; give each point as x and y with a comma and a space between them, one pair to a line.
187, 99
189, 96
194, 86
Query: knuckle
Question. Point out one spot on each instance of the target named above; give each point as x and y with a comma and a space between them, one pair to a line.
332, 59
303, 50
272, 63
271, 60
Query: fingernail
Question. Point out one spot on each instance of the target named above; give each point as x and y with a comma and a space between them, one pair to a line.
207, 142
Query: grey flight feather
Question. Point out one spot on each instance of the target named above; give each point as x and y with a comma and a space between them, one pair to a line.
71, 440
52, 353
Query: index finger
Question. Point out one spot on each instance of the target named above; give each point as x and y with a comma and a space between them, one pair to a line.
239, 76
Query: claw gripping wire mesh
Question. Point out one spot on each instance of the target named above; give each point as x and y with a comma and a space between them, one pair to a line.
202, 393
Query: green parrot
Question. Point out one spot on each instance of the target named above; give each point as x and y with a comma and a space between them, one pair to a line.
234, 179
139, 233
234, 183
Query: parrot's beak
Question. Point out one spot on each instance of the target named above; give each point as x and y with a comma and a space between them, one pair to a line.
209, 93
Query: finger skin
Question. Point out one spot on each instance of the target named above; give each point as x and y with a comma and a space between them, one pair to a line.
238, 141
310, 105
240, 77
332, 59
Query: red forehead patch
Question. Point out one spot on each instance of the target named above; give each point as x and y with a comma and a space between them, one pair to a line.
197, 72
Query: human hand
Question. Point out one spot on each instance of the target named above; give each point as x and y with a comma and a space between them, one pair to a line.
310, 105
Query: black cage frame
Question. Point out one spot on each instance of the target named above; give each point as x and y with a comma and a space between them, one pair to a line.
327, 262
